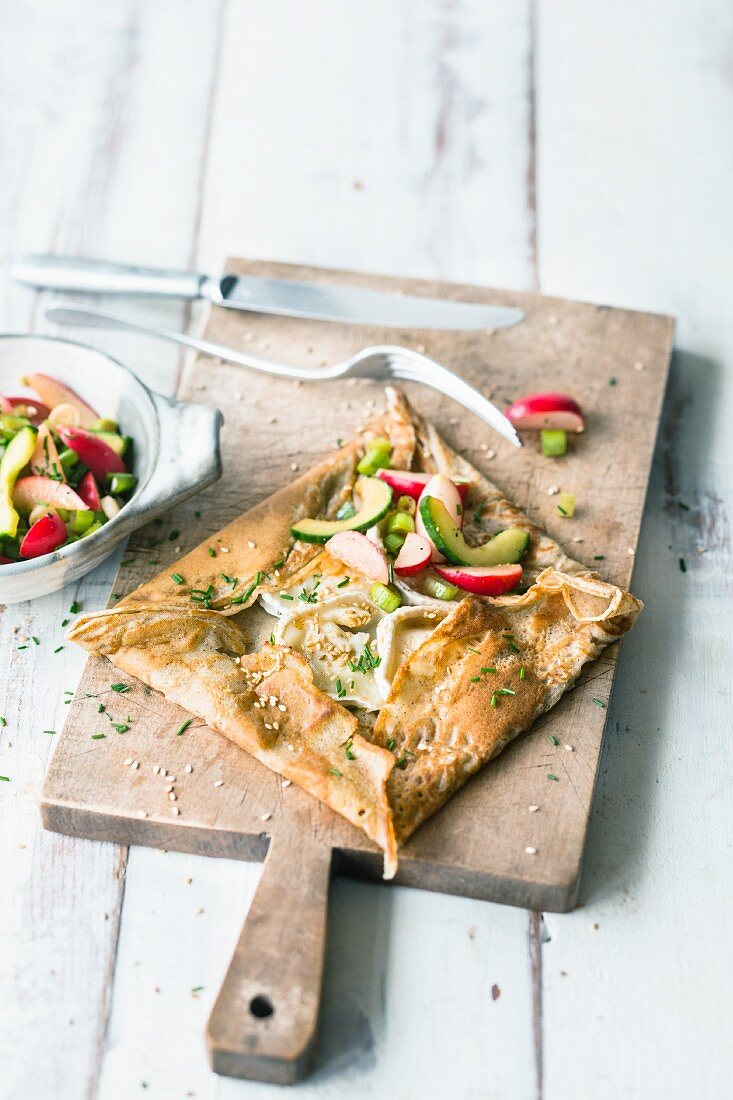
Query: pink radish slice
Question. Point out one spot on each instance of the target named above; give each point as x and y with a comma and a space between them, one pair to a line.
358, 552
443, 489
54, 393
30, 491
46, 456
547, 410
409, 483
89, 493
34, 410
43, 537
93, 451
414, 555
491, 580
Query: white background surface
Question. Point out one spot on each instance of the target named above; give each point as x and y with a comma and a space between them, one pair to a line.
573, 145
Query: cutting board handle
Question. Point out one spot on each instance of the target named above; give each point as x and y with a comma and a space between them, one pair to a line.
263, 1024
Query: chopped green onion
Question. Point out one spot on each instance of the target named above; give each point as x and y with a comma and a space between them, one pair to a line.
485, 670
120, 727
98, 736
393, 542
376, 458
407, 505
391, 744
554, 442
58, 649
183, 727
120, 688
440, 590
400, 523
177, 578
344, 582
385, 597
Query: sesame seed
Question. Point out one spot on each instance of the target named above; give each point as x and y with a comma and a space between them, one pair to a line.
128, 761
168, 789
533, 809
569, 748
170, 778
172, 797
630, 550
219, 783
578, 538
224, 549
638, 365
175, 811
188, 769
268, 725
282, 707
530, 850
490, 454
287, 782
156, 769
135, 765
265, 817
142, 813
293, 466
553, 491
251, 543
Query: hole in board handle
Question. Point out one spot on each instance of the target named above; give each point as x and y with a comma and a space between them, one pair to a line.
261, 1007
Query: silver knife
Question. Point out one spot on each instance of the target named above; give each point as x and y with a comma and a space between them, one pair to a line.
258, 295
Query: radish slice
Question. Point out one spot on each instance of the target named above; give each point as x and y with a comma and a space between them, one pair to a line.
54, 393
30, 491
414, 555
89, 493
34, 410
358, 552
492, 580
547, 410
93, 451
409, 483
46, 456
43, 537
441, 488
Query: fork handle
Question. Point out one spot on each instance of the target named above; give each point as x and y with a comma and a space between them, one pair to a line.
91, 317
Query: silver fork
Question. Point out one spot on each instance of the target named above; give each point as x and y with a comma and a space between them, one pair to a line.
381, 361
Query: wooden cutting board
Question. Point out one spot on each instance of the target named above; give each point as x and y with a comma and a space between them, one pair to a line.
226, 804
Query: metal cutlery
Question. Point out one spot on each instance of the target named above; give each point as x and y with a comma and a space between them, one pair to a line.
253, 293
383, 361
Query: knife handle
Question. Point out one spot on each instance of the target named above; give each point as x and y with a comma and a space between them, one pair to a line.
100, 277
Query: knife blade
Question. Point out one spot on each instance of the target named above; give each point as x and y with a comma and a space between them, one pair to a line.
253, 293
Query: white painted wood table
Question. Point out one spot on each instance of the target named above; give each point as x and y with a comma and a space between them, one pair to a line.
577, 146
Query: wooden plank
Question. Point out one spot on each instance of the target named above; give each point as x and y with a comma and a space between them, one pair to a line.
95, 163
637, 974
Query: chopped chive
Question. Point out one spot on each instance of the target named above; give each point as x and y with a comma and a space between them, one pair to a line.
485, 670
197, 988
58, 649
245, 595
74, 609
475, 679
285, 596
391, 744
599, 557
177, 578
120, 727
494, 699
683, 565
347, 750
472, 650
120, 688
67, 701
229, 580
197, 515
4, 778
272, 639
561, 510
612, 381
183, 727
336, 772
124, 564
22, 647
344, 582
681, 504
51, 733
340, 689
401, 764
65, 622
553, 739
36, 640
551, 776
514, 647
212, 552
116, 595
277, 564
522, 673
505, 691
98, 736
600, 703
173, 536
101, 708
3, 722
477, 515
